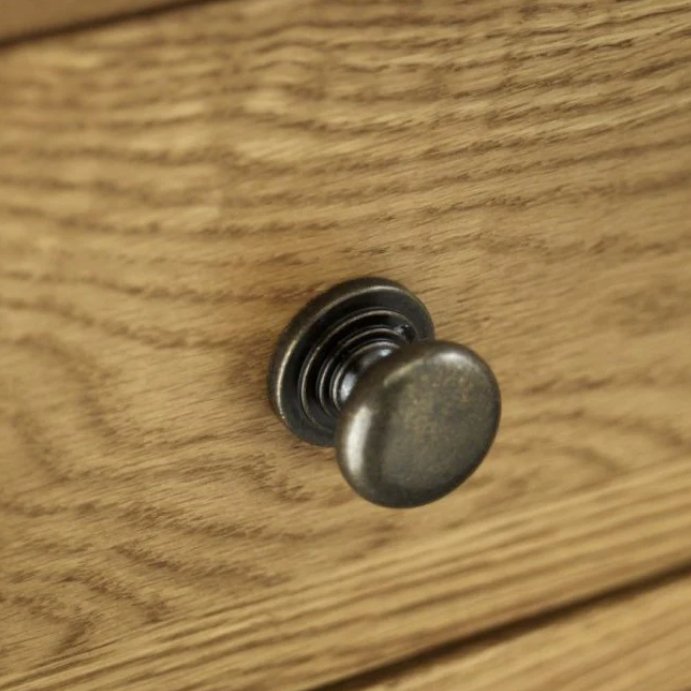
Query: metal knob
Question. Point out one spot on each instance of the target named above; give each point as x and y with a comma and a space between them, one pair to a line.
358, 368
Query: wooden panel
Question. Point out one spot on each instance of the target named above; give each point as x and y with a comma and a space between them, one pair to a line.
172, 190
22, 18
402, 599
632, 643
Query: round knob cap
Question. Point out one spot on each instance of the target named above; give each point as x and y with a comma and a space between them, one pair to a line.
417, 424
358, 368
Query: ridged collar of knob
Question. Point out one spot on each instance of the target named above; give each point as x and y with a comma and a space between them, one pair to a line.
317, 358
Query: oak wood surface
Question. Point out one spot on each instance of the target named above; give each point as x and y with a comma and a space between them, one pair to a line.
30, 18
640, 642
173, 189
456, 584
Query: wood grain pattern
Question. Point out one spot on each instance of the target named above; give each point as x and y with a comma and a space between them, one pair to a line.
639, 642
173, 189
27, 18
404, 599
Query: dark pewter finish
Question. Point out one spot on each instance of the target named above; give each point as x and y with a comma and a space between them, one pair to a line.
411, 417
418, 424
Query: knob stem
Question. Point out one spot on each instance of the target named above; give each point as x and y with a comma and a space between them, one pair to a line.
351, 370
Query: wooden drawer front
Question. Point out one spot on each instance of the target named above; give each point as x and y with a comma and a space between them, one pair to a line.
173, 189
